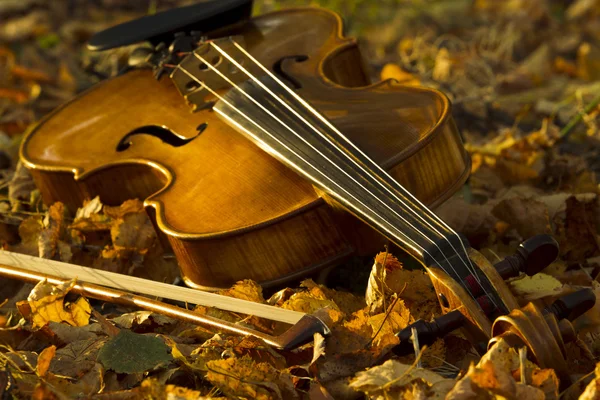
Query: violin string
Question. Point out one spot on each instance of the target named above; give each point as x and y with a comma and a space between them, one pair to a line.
209, 65
432, 215
468, 265
322, 155
399, 233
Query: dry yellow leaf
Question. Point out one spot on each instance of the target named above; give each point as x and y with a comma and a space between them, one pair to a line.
497, 381
391, 322
47, 305
245, 290
44, 359
242, 377
153, 389
347, 302
535, 287
592, 391
307, 303
393, 71
392, 376
547, 381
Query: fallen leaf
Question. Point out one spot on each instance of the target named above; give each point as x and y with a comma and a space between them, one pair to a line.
47, 304
21, 185
380, 381
318, 347
529, 392
393, 71
245, 290
44, 360
547, 381
489, 378
132, 206
592, 390
140, 318
527, 215
347, 302
308, 303
53, 232
132, 234
151, 389
242, 377
578, 238
130, 352
77, 358
89, 217
535, 287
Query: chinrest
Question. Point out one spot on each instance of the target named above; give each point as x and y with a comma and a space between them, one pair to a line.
162, 26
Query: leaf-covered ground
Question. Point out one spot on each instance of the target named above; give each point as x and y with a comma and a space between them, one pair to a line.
523, 76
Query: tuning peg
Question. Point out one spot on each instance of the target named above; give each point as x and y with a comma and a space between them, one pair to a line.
428, 332
572, 305
532, 256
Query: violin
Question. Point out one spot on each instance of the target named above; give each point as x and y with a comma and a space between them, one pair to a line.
291, 161
229, 210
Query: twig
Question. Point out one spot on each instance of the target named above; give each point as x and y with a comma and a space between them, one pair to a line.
382, 277
382, 322
522, 366
415, 339
566, 131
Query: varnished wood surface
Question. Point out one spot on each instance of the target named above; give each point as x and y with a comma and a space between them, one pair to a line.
229, 210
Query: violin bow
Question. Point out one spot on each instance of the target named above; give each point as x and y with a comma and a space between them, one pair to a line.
119, 289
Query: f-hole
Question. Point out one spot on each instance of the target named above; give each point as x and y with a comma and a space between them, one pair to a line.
161, 132
278, 69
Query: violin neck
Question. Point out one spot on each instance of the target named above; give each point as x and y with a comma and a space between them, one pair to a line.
284, 125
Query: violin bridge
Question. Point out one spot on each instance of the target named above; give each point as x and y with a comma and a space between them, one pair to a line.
193, 75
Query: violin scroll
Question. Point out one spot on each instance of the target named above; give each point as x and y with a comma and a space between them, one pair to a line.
544, 332
474, 308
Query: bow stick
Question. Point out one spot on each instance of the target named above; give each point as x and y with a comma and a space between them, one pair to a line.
118, 288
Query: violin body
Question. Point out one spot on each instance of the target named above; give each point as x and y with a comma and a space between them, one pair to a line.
229, 210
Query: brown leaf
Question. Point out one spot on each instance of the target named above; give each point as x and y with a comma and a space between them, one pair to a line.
527, 215
16, 95
475, 221
53, 232
529, 392
133, 206
29, 231
578, 238
21, 185
132, 234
